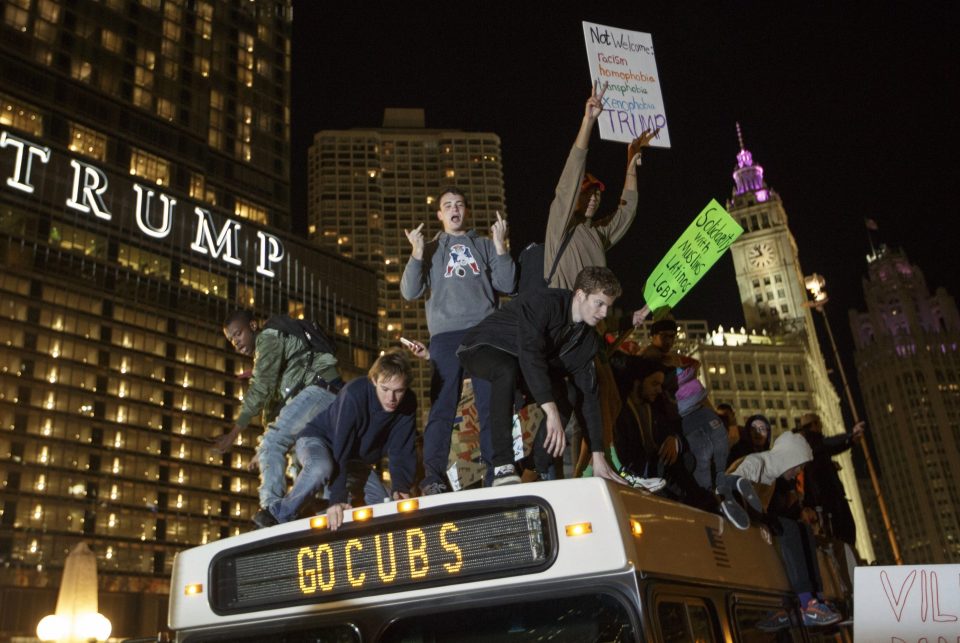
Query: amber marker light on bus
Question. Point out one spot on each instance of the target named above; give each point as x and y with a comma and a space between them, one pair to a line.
408, 505
195, 588
318, 522
364, 513
635, 527
579, 529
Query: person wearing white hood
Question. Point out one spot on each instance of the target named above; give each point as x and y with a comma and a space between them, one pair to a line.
785, 461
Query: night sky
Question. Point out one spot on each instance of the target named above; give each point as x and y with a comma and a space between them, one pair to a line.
852, 114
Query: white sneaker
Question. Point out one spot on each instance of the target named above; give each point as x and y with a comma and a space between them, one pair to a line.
649, 484
505, 474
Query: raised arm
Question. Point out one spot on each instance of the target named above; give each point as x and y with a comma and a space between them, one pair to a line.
616, 226
413, 283
568, 187
503, 270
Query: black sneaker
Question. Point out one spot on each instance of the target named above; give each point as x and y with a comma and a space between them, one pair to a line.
505, 474
433, 488
263, 519
749, 494
736, 514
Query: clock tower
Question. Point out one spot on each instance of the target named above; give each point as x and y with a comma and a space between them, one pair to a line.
765, 256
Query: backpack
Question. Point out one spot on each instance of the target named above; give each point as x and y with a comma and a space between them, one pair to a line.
309, 332
531, 263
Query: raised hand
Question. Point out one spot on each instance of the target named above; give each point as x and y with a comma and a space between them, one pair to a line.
499, 232
635, 149
415, 237
594, 104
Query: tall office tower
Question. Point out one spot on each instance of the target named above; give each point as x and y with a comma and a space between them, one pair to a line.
142, 156
908, 366
775, 365
367, 185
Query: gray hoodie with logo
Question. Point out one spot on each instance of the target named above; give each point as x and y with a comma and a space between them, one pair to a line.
463, 275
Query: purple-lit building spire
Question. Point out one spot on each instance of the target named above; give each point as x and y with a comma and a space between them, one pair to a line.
748, 177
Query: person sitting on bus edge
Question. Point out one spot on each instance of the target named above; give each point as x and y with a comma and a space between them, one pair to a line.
372, 418
287, 374
822, 487
543, 336
754, 438
782, 464
641, 435
463, 274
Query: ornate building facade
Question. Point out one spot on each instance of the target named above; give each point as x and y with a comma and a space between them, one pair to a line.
908, 367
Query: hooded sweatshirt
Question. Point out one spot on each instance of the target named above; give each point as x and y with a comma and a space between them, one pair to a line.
789, 451
463, 274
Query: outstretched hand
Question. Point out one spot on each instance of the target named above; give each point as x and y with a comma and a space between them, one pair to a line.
415, 237
594, 104
640, 314
223, 443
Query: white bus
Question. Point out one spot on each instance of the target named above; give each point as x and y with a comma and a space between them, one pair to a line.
567, 560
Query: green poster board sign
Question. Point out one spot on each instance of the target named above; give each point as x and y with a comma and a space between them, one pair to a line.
694, 253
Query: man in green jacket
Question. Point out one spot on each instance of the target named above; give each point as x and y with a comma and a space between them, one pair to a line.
287, 374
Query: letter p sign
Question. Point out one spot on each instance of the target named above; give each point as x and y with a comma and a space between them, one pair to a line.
271, 251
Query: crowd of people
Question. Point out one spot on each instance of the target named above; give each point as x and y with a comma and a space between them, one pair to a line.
634, 415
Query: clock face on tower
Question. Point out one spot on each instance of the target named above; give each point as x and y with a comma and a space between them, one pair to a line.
761, 255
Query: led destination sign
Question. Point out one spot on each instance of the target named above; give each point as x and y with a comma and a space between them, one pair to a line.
328, 565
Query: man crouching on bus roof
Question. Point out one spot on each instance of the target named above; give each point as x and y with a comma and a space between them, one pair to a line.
545, 336
372, 417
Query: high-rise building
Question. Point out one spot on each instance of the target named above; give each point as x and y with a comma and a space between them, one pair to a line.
143, 159
775, 365
367, 185
908, 367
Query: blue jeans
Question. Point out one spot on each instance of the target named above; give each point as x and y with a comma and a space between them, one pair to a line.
445, 389
280, 437
317, 466
706, 436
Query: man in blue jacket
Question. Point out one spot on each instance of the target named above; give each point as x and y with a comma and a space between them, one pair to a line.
372, 417
463, 273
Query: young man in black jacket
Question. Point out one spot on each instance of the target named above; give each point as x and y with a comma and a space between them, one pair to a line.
543, 337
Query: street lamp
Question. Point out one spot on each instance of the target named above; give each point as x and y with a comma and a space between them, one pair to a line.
76, 618
815, 285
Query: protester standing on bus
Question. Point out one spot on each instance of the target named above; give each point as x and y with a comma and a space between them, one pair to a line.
822, 486
287, 374
372, 418
463, 274
544, 336
782, 464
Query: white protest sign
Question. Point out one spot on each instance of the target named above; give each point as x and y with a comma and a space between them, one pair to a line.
633, 101
906, 604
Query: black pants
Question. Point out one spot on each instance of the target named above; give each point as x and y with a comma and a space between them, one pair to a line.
502, 371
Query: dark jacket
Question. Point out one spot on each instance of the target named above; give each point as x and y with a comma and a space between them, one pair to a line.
639, 432
356, 427
538, 330
822, 486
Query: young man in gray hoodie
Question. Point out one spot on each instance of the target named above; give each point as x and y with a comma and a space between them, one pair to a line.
461, 274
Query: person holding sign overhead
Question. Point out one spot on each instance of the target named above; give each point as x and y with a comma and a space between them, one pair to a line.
464, 274
577, 199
